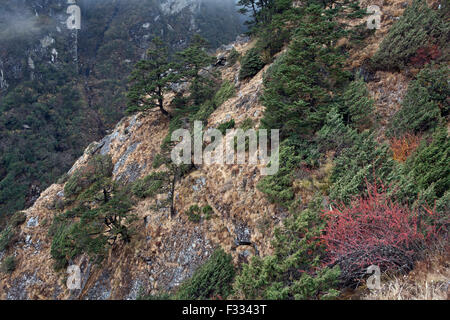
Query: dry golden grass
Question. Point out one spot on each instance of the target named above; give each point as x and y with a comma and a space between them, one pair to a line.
430, 280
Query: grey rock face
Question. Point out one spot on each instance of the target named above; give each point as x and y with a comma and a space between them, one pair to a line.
33, 222
20, 285
124, 157
102, 288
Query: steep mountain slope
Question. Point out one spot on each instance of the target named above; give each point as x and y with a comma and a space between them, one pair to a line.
61, 89
166, 249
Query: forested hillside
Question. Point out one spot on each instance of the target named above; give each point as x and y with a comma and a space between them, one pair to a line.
61, 89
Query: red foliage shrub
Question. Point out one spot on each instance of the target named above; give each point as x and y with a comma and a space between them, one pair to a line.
374, 231
425, 55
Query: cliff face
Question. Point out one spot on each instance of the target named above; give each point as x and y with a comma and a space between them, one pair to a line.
35, 32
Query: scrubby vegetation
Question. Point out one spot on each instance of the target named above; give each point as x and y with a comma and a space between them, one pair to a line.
251, 64
233, 57
212, 280
425, 105
8, 264
196, 213
419, 29
98, 217
388, 201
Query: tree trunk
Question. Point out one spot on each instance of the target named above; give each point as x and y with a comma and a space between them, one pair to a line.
172, 193
161, 103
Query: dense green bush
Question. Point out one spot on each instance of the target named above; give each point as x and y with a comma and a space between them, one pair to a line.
246, 124
6, 236
233, 57
9, 264
98, 169
150, 185
208, 211
294, 270
425, 177
212, 279
194, 213
357, 106
363, 162
419, 27
251, 64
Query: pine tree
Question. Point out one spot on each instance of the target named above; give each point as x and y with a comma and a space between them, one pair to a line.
357, 105
297, 88
191, 67
150, 80
335, 135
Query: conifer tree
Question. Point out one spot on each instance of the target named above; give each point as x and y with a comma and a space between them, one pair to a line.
335, 135
358, 106
150, 80
297, 89
191, 67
